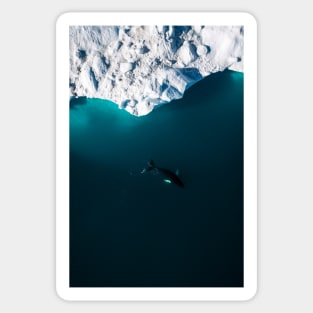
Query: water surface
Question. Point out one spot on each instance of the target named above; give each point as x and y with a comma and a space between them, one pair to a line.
133, 230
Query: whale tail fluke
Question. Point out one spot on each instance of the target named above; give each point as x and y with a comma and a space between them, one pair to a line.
150, 167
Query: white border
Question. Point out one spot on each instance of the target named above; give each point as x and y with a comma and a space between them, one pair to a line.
250, 157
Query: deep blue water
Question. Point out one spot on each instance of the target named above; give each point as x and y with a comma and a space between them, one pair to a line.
133, 230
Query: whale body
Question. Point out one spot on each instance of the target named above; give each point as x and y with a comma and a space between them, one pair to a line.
168, 175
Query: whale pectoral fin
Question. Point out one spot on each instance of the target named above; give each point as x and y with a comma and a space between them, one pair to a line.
177, 172
167, 181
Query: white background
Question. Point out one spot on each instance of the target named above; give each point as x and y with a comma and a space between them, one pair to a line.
27, 155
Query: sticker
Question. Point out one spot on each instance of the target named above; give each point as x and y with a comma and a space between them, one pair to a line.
156, 156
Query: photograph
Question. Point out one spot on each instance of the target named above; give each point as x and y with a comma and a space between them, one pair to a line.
156, 156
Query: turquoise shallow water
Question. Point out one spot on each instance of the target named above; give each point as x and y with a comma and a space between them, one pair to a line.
133, 230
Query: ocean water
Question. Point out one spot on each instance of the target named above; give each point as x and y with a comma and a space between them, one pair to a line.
129, 229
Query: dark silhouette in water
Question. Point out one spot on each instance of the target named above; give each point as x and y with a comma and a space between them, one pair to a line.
168, 176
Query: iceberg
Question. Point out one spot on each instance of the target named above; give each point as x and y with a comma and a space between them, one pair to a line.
142, 67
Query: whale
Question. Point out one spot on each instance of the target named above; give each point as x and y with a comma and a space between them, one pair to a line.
167, 175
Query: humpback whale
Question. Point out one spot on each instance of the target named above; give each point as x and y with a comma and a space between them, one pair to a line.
168, 176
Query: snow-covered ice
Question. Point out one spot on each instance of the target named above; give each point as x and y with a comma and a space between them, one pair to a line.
142, 67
